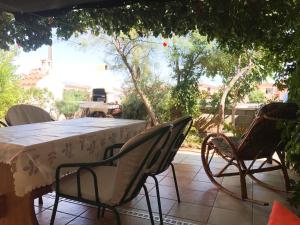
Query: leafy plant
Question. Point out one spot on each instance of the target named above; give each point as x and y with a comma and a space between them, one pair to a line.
257, 96
10, 92
70, 103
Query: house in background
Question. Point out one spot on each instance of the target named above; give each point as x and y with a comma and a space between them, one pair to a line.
271, 91
43, 78
210, 89
46, 77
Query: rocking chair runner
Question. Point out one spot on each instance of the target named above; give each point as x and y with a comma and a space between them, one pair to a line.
261, 141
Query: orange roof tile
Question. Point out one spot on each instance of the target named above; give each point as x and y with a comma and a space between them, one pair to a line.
30, 80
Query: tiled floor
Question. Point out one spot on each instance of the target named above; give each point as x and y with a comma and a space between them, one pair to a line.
201, 202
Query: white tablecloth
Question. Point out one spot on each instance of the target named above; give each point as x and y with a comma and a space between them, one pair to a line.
35, 150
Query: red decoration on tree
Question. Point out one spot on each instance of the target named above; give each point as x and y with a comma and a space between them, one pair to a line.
165, 44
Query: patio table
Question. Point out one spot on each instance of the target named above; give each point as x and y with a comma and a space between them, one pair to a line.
30, 154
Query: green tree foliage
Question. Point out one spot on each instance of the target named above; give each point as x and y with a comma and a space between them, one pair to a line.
257, 96
69, 105
186, 61
134, 108
35, 96
10, 92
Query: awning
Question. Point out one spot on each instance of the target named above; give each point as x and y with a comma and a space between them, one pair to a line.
48, 6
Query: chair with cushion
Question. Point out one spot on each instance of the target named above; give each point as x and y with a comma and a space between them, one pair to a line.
26, 114
116, 180
180, 130
250, 154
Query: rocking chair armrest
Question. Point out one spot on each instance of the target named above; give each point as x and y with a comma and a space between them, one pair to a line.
109, 151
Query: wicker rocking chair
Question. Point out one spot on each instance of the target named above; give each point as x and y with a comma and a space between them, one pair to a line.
260, 142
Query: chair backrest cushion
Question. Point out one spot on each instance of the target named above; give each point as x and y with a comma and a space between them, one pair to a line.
26, 114
139, 154
180, 129
264, 136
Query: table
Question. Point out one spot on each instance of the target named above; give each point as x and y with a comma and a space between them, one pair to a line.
30, 154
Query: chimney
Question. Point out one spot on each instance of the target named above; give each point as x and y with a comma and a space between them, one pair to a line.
50, 53
47, 63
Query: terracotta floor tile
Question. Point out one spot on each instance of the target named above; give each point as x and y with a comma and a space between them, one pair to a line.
91, 214
191, 211
38, 209
133, 202
201, 176
183, 174
235, 181
199, 197
269, 196
125, 220
71, 208
261, 214
201, 186
47, 202
225, 201
201, 202
150, 180
165, 192
192, 162
187, 167
60, 219
181, 181
170, 220
229, 217
166, 204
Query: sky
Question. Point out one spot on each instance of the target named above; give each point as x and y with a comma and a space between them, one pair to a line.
73, 64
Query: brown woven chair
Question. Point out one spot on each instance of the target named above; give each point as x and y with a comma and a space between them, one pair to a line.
261, 141
26, 114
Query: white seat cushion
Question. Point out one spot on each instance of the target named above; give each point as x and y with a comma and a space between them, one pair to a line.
105, 179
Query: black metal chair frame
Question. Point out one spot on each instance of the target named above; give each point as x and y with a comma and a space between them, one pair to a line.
110, 161
169, 157
186, 121
3, 124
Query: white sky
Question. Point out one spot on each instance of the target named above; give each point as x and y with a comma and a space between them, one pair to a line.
72, 64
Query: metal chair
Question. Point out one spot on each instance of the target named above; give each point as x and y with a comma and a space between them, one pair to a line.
116, 180
180, 130
26, 114
261, 141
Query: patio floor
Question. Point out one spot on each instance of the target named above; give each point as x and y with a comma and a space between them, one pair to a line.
201, 203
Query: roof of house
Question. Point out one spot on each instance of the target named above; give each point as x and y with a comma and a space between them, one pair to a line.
30, 80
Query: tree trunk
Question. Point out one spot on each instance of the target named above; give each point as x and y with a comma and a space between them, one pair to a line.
237, 76
145, 100
233, 111
134, 76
